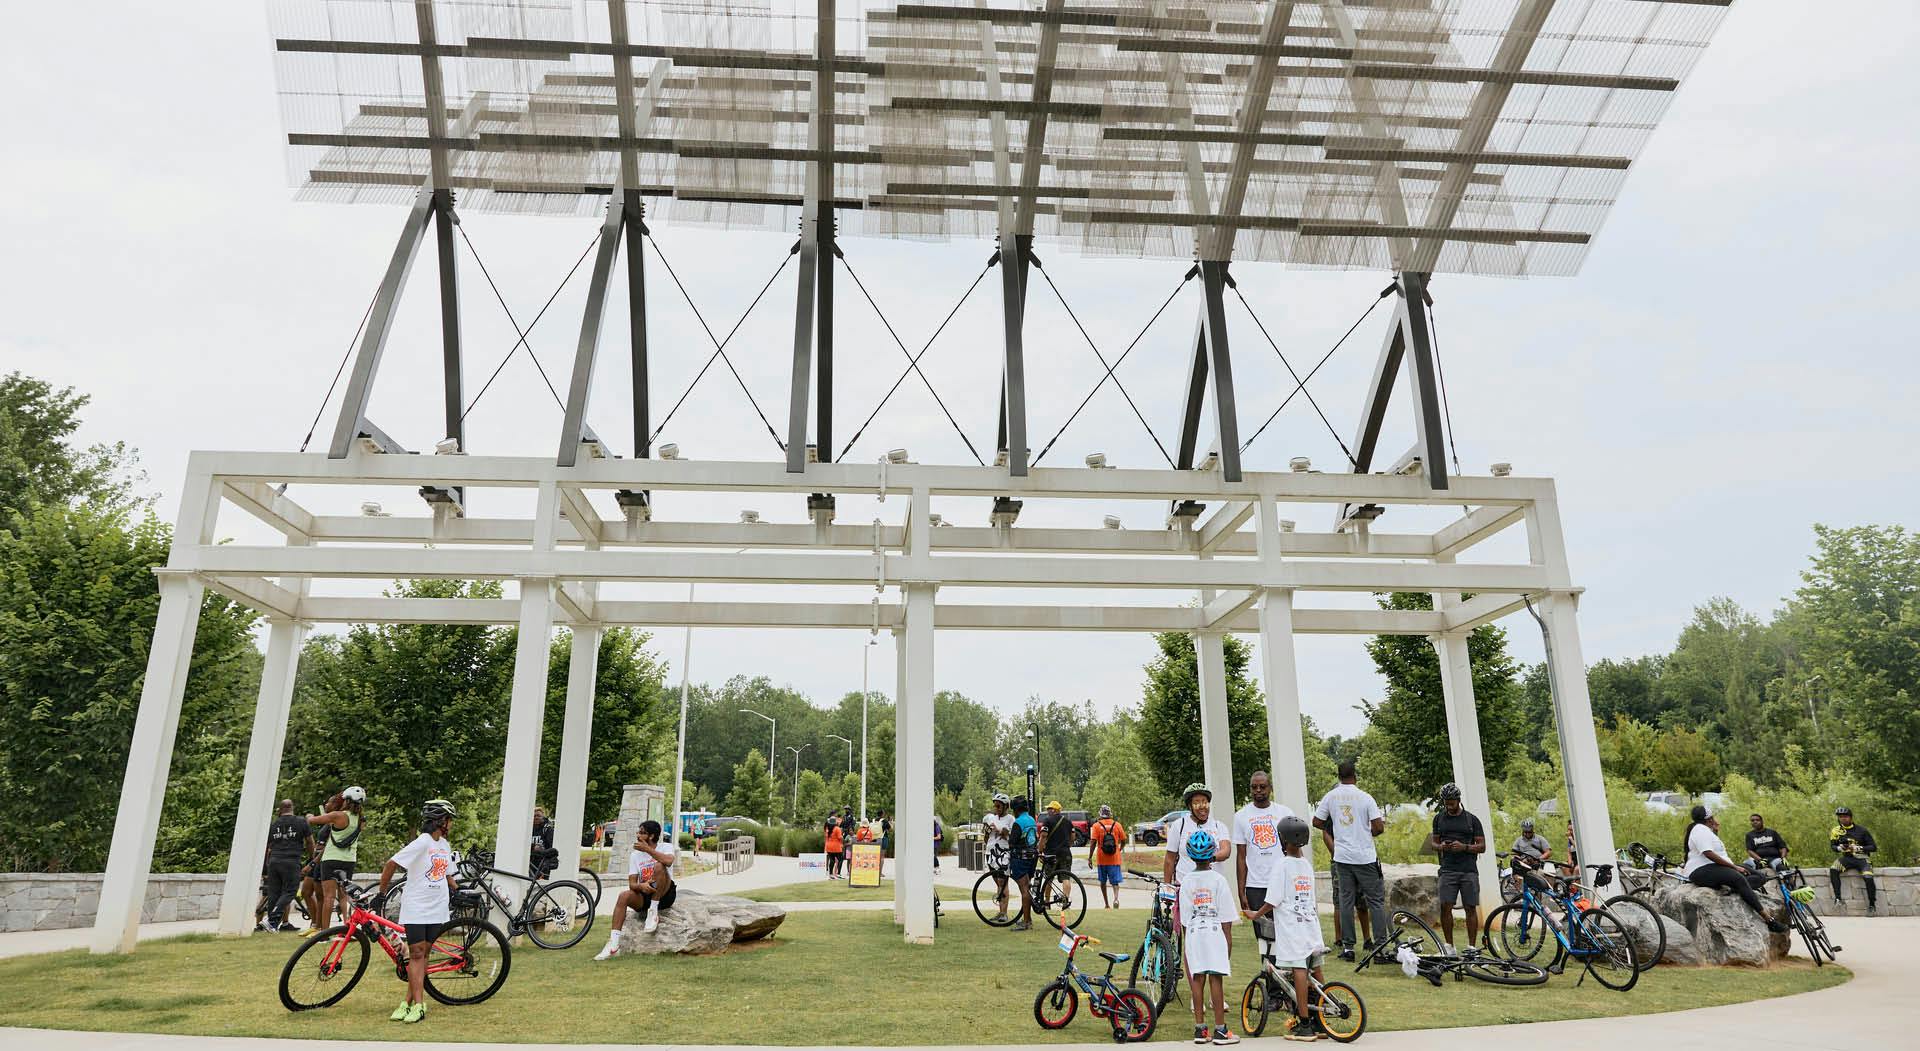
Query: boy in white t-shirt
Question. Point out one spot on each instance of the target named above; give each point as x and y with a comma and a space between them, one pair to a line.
424, 899
1297, 942
1205, 903
650, 884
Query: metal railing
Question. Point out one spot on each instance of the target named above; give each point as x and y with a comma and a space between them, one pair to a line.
736, 855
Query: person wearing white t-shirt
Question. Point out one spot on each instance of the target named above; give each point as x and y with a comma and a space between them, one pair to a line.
650, 884
1350, 819
1707, 864
1198, 799
1206, 919
1256, 838
1297, 942
998, 826
428, 861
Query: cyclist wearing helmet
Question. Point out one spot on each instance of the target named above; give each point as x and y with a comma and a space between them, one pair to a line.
1206, 911
428, 861
342, 850
1853, 848
1198, 799
1530, 851
1457, 837
998, 824
1296, 942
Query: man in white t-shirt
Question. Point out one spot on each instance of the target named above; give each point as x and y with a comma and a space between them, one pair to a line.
1350, 818
428, 861
998, 826
650, 884
1256, 839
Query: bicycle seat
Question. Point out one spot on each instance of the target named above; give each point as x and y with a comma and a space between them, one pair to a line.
1115, 957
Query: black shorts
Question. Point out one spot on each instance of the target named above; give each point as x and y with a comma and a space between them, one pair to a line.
423, 932
333, 870
665, 901
1256, 897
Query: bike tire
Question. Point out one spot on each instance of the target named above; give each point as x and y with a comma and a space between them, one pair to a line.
1608, 953
1407, 924
590, 880
1516, 932
1056, 1004
1158, 963
1505, 972
1626, 905
1813, 933
556, 908
1065, 903
1255, 1005
298, 995
1348, 1017
395, 891
1140, 1018
475, 958
989, 910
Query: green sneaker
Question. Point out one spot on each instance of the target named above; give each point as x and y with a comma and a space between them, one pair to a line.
415, 1013
400, 1013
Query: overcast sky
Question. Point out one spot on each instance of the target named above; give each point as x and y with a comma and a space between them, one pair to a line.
1735, 363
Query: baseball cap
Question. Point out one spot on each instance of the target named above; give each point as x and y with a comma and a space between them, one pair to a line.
1053, 805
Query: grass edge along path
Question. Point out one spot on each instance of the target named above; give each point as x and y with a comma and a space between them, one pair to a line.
835, 977
822, 890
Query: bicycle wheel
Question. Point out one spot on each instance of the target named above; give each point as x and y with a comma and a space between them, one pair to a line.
1054, 1007
553, 916
395, 891
1601, 942
322, 969
468, 962
1411, 929
1516, 932
1649, 934
1133, 1017
1505, 972
1341, 1011
1256, 1004
1156, 968
1813, 933
988, 909
590, 880
1065, 902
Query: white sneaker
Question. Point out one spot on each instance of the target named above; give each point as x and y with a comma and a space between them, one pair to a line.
612, 949
653, 921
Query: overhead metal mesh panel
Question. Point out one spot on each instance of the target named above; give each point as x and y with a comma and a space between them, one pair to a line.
1469, 136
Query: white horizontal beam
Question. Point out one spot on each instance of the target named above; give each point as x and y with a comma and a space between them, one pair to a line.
1225, 608
1482, 609
262, 595
276, 510
580, 514
1225, 523
1477, 526
1073, 483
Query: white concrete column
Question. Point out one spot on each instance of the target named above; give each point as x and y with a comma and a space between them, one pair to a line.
1285, 750
261, 782
123, 890
1579, 745
913, 812
576, 742
899, 760
1216, 746
519, 778
1463, 737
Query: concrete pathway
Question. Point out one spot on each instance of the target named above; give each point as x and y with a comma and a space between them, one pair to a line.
26, 943
1873, 1011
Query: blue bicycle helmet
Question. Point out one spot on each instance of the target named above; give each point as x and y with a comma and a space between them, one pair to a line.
1200, 845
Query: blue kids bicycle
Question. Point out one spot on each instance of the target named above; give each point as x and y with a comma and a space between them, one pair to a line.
1127, 1010
1583, 931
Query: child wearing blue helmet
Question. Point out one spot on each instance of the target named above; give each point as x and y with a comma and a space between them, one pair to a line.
1206, 903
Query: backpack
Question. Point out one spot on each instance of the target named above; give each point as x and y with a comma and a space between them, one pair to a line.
1107, 844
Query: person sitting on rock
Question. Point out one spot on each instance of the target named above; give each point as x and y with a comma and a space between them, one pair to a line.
650, 884
1707, 864
1853, 848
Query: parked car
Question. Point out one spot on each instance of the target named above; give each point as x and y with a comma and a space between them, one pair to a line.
1666, 802
1154, 832
1081, 821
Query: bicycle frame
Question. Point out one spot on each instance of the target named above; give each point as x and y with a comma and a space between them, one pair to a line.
1102, 993
391, 937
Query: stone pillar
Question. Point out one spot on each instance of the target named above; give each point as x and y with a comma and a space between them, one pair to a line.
637, 803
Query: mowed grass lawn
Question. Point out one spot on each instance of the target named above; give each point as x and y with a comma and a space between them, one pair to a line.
823, 890
828, 978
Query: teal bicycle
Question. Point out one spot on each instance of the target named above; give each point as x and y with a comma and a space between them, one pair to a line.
1156, 967
1583, 931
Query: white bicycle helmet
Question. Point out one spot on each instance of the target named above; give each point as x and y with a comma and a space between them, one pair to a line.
354, 794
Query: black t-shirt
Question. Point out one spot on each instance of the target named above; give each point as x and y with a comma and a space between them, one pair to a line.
285, 837
543, 836
1457, 828
1765, 844
1059, 835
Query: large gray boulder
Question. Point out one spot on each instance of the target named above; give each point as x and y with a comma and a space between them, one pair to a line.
1416, 888
701, 923
1681, 948
1724, 930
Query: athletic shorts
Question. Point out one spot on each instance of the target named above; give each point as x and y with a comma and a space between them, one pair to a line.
1112, 875
1309, 963
423, 932
334, 870
1256, 897
1464, 886
1020, 867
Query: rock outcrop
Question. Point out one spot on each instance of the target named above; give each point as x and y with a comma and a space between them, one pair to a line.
1724, 930
701, 923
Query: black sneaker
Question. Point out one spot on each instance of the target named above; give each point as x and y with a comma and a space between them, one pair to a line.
1346, 953
1302, 1030
1873, 910
1202, 1035
1222, 1035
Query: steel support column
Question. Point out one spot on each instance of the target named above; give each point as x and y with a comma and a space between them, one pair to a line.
573, 426
899, 761
352, 421
1211, 366
1286, 749
533, 648
1013, 375
260, 782
635, 236
1573, 718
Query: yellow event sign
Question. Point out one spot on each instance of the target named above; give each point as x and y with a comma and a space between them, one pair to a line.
866, 865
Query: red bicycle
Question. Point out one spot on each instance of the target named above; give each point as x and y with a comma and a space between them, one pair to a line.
467, 963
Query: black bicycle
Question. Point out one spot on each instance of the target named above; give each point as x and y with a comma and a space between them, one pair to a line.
1058, 896
543, 866
1336, 1006
1156, 966
1797, 898
1432, 961
550, 915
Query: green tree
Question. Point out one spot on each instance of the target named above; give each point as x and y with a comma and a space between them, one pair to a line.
1856, 619
39, 466
1169, 725
1411, 722
1124, 780
635, 722
1718, 675
974, 797
1684, 759
1626, 689
966, 736
753, 787
78, 601
811, 809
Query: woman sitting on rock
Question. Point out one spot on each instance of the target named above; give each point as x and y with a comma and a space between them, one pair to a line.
1707, 864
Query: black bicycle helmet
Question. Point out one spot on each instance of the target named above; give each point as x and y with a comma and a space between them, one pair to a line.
436, 810
1294, 832
1449, 791
1841, 811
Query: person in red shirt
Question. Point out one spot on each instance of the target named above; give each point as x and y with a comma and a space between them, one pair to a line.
1106, 838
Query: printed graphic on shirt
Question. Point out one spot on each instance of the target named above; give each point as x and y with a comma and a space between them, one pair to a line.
1263, 833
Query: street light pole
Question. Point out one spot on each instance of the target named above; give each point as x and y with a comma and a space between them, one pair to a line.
796, 778
680, 748
1808, 687
837, 737
773, 735
865, 652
